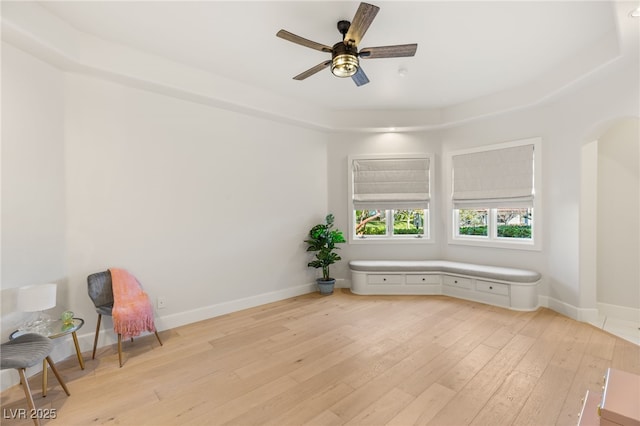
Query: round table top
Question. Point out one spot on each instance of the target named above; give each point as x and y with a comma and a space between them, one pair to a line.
53, 330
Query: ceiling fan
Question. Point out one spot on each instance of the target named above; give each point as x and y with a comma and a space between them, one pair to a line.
344, 54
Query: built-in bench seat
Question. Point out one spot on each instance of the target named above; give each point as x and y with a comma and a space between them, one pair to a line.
508, 287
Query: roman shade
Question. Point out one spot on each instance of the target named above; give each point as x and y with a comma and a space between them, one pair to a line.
391, 183
494, 178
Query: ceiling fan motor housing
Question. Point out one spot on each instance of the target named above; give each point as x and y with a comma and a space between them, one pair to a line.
344, 60
343, 27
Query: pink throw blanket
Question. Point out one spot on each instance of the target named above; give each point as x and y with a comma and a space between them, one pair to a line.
132, 310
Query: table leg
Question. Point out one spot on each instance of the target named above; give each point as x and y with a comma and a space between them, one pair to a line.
44, 377
78, 353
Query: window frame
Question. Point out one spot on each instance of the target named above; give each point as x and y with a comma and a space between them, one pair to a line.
389, 238
492, 240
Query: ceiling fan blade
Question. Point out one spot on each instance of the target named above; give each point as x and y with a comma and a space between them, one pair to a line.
312, 71
360, 78
302, 41
360, 23
388, 51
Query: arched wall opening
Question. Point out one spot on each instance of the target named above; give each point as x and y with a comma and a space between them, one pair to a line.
610, 227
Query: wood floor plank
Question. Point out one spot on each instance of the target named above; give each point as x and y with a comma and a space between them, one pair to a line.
238, 406
602, 345
293, 357
326, 418
475, 394
383, 409
505, 404
423, 408
545, 401
282, 402
538, 326
499, 338
312, 407
316, 360
460, 374
625, 356
426, 375
539, 356
354, 353
589, 376
402, 361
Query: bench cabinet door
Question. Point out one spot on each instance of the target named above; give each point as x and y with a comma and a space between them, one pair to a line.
492, 287
385, 279
458, 282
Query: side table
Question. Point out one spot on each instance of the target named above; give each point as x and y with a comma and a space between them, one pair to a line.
54, 330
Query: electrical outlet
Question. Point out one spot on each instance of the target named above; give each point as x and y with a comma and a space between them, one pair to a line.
162, 303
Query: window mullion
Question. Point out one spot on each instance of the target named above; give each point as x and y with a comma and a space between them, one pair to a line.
493, 224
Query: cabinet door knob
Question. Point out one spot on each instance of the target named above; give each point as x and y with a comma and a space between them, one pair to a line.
490, 287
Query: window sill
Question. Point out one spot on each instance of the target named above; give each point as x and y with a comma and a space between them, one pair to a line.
511, 245
373, 240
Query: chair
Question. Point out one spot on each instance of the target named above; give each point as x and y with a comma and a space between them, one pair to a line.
26, 351
101, 293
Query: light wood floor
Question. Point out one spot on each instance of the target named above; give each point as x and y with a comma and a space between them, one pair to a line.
344, 359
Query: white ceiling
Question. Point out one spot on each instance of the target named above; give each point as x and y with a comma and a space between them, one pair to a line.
466, 50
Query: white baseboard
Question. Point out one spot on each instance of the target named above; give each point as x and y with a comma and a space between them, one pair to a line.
619, 312
212, 311
589, 315
64, 347
558, 306
620, 321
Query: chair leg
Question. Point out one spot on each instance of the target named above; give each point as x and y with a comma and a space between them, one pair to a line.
44, 378
95, 340
55, 372
158, 337
27, 394
120, 349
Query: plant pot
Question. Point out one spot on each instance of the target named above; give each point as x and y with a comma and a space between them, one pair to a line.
326, 286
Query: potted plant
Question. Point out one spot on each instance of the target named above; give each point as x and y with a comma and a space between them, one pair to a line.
322, 240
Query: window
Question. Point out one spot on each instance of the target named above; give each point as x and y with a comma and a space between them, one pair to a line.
389, 198
404, 223
514, 224
494, 195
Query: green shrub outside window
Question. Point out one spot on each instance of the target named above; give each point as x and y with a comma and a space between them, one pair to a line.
374, 222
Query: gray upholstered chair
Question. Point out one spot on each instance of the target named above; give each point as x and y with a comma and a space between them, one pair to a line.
26, 351
101, 293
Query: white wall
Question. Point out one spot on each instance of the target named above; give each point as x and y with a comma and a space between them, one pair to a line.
204, 206
208, 208
564, 125
589, 223
33, 192
618, 269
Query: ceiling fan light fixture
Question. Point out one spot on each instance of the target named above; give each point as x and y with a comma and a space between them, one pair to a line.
344, 60
344, 65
